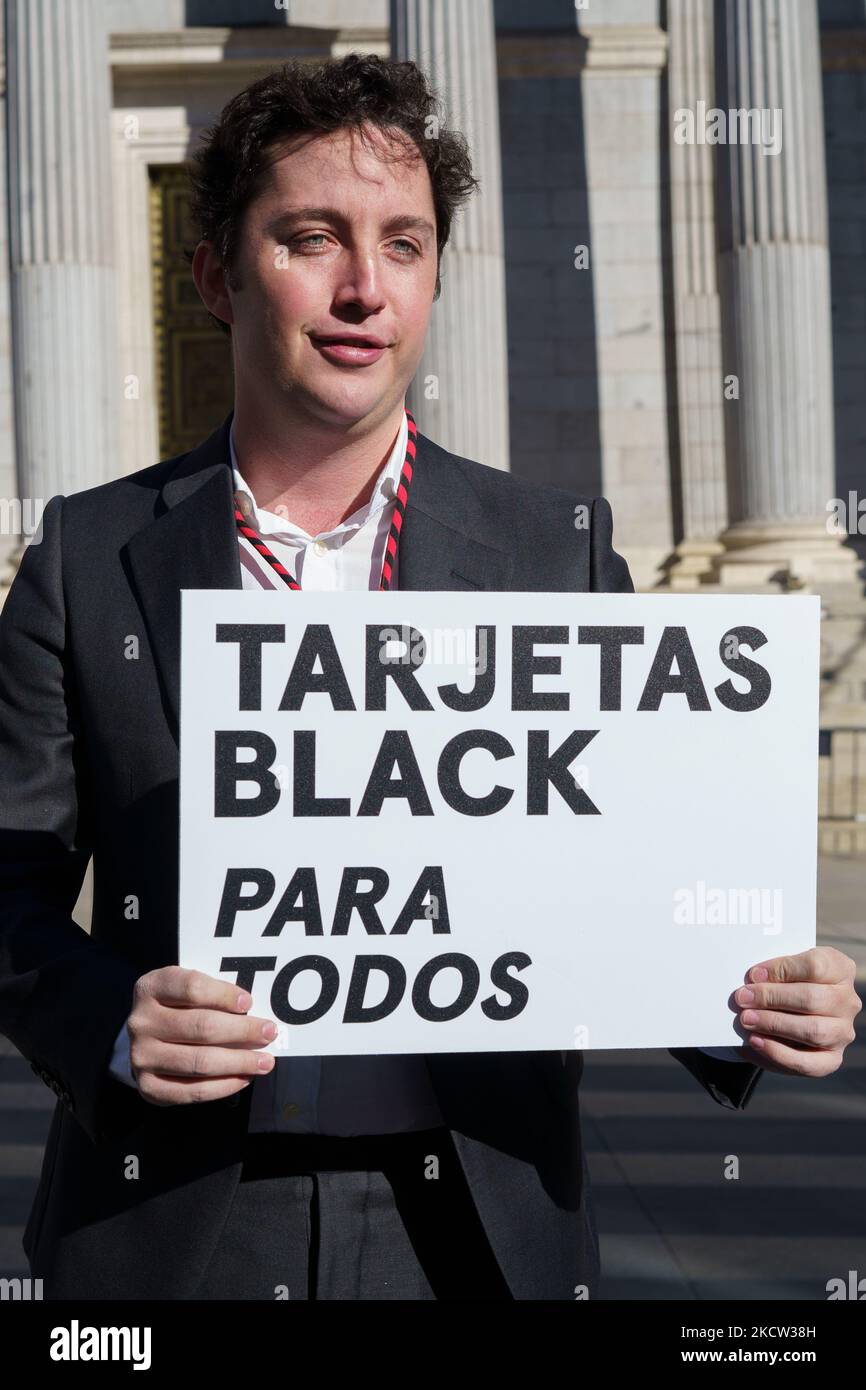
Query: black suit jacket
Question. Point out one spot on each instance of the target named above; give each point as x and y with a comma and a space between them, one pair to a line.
89, 765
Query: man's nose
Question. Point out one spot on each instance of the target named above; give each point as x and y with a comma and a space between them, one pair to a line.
360, 279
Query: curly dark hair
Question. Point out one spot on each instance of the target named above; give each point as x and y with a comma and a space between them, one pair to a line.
228, 169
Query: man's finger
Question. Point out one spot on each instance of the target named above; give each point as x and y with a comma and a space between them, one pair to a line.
173, 1061
209, 1027
193, 989
775, 1055
808, 1029
818, 965
797, 997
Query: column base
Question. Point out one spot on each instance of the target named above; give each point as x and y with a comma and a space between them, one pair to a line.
799, 557
9, 568
693, 565
807, 558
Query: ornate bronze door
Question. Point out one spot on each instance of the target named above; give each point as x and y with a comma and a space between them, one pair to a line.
195, 388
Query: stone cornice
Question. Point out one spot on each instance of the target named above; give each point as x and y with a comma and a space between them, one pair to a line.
843, 50
540, 55
164, 53
626, 48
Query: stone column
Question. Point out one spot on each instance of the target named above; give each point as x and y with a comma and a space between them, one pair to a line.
9, 531
701, 431
460, 393
775, 281
621, 94
59, 108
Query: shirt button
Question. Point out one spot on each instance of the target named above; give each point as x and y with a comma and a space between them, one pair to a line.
320, 548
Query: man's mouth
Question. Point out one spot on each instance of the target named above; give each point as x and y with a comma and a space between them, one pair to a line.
351, 350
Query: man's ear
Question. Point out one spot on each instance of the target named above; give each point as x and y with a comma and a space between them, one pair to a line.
210, 281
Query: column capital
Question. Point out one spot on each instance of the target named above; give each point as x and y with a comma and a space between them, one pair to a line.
623, 48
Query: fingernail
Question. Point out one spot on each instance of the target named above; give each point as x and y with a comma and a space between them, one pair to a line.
244, 1000
265, 1062
269, 1031
759, 974
749, 1018
745, 996
756, 1042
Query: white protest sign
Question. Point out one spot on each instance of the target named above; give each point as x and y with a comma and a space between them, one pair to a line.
448, 822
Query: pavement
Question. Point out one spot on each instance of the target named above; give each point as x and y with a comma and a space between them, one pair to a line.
695, 1201
672, 1225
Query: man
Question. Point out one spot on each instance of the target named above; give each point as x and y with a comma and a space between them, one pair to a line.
183, 1161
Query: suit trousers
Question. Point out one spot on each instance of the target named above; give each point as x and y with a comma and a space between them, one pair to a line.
380, 1217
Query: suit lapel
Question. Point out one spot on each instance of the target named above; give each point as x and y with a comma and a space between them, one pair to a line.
444, 543
192, 543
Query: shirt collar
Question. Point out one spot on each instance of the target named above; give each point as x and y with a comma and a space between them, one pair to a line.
385, 490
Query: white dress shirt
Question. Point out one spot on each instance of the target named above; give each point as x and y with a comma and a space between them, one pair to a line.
379, 1094
348, 557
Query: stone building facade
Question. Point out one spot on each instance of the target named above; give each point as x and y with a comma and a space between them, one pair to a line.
659, 293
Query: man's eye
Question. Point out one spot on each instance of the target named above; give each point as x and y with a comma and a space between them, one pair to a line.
409, 247
314, 236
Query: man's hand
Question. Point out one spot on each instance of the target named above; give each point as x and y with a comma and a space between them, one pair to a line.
798, 1011
190, 1038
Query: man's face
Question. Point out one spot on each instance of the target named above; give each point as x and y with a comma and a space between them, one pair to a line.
340, 242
